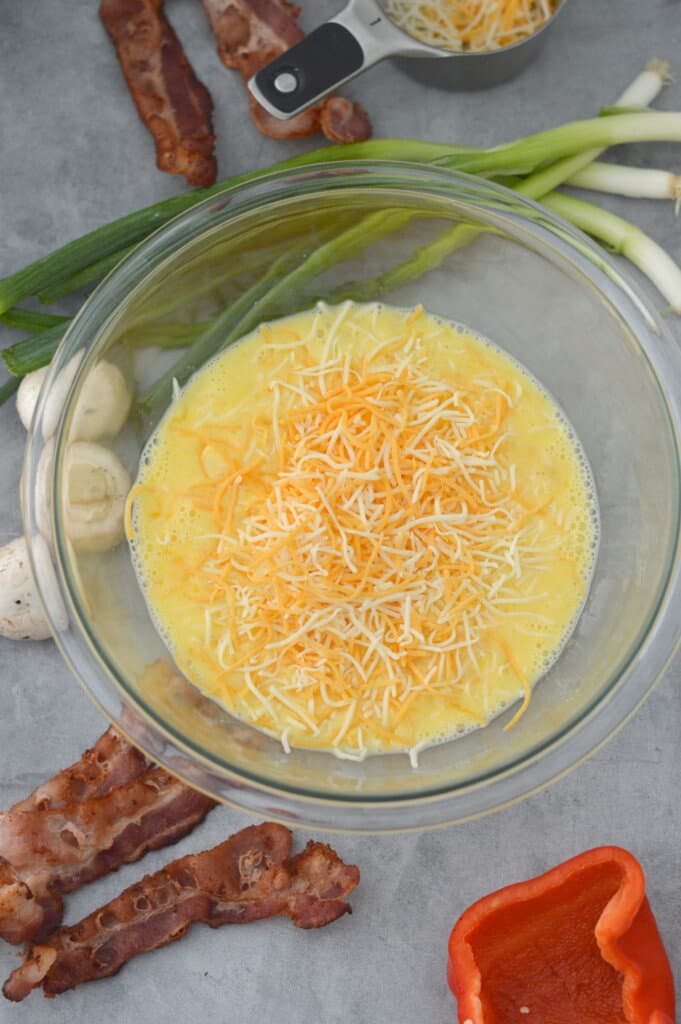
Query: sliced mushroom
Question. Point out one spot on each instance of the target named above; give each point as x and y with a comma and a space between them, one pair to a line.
96, 484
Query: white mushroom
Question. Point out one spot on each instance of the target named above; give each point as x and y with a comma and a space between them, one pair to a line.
21, 613
49, 587
96, 484
103, 404
102, 407
56, 399
27, 395
43, 495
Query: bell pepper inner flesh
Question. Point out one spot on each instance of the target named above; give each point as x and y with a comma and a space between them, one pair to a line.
539, 959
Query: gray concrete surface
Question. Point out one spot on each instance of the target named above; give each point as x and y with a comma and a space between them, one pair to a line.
72, 156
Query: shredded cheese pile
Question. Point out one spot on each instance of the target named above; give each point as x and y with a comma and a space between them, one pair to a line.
470, 25
367, 536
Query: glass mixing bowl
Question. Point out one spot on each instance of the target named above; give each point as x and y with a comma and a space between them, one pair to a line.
510, 270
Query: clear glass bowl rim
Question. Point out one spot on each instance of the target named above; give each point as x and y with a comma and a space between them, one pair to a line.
564, 751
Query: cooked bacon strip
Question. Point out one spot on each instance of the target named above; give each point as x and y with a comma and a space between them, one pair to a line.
246, 878
23, 915
251, 33
297, 127
246, 28
111, 762
46, 853
174, 105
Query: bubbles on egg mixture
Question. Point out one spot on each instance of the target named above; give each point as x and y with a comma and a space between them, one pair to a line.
580, 538
581, 545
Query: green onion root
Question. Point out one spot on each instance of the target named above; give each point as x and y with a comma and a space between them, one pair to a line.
647, 85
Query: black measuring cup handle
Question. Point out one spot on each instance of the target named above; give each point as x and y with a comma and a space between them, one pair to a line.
312, 68
361, 35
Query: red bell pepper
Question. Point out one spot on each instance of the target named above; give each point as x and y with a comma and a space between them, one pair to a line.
578, 945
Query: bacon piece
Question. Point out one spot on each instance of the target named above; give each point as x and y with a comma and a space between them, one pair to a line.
343, 121
246, 878
245, 29
23, 915
111, 762
251, 33
298, 127
174, 105
46, 853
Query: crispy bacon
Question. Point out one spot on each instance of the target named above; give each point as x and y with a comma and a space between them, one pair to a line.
246, 878
48, 852
111, 762
174, 105
297, 127
343, 121
251, 33
245, 29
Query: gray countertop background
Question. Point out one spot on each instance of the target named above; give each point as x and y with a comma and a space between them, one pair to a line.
74, 155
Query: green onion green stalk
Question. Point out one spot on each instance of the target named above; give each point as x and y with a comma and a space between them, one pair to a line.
534, 166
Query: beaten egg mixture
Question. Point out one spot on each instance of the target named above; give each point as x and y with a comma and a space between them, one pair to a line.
364, 529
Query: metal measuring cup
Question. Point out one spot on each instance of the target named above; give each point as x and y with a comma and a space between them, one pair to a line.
362, 35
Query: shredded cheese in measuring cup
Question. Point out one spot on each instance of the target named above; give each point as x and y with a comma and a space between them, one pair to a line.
473, 26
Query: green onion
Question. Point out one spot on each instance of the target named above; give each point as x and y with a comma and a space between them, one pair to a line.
375, 226
647, 84
370, 229
617, 109
523, 156
120, 234
31, 353
92, 274
8, 388
548, 159
642, 91
225, 328
25, 320
81, 253
167, 335
97, 271
635, 182
272, 295
425, 258
230, 262
624, 238
537, 151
